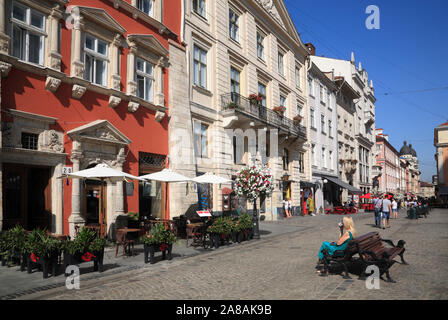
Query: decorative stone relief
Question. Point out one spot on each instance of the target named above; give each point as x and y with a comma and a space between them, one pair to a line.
114, 101
78, 69
269, 6
52, 84
116, 82
51, 140
133, 106
78, 91
55, 61
5, 68
160, 99
159, 116
4, 43
132, 88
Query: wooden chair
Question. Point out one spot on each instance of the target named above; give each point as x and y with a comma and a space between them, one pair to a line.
194, 232
121, 239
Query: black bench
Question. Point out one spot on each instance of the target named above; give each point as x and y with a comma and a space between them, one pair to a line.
365, 250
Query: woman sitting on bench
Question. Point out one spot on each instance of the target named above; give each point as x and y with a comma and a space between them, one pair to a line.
341, 244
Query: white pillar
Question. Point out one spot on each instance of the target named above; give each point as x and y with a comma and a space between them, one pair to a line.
75, 217
77, 64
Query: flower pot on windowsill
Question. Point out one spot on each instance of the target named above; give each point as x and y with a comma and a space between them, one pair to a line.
232, 106
297, 120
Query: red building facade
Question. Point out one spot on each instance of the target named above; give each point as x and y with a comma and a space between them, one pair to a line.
83, 82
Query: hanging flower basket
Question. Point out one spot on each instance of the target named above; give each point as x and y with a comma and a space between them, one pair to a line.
252, 181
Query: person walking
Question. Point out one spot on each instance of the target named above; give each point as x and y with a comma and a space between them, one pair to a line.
386, 210
377, 203
394, 209
311, 205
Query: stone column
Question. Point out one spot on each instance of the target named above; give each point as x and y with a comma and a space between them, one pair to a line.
54, 56
115, 77
75, 217
4, 39
131, 88
59, 194
77, 69
158, 76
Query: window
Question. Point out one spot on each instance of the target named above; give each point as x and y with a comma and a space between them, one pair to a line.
297, 77
199, 7
200, 139
29, 140
330, 158
200, 67
322, 94
281, 70
262, 92
299, 109
145, 79
312, 118
324, 158
330, 128
147, 6
235, 84
285, 159
233, 25
282, 100
313, 154
311, 87
328, 99
260, 46
28, 33
322, 123
301, 162
95, 59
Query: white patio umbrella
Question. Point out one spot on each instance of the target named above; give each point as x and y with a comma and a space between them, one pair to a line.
167, 176
101, 172
209, 177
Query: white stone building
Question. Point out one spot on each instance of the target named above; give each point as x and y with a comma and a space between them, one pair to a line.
235, 49
365, 115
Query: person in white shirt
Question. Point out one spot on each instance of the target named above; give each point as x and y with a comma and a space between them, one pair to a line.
394, 208
386, 209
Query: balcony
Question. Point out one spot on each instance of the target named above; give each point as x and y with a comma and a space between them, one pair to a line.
233, 104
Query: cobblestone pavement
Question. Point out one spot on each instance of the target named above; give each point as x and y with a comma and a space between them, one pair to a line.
282, 267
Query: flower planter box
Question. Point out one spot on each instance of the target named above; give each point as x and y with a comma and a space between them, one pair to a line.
151, 249
96, 256
224, 239
248, 234
43, 263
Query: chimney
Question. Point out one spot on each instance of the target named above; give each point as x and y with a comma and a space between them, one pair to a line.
352, 58
311, 48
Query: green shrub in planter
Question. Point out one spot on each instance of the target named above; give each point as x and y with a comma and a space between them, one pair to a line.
87, 246
245, 225
42, 251
13, 246
220, 230
158, 239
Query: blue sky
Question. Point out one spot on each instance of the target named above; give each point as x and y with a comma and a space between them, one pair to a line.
408, 53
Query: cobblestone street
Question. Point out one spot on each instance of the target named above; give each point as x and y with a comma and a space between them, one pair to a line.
282, 267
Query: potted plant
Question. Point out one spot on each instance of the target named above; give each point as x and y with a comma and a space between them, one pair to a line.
280, 110
245, 226
42, 252
133, 219
232, 105
297, 119
158, 239
255, 98
220, 231
12, 247
86, 247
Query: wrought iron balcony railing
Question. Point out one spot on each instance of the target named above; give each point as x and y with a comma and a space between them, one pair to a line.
241, 104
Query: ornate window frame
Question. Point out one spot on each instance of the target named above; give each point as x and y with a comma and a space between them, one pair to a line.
99, 24
149, 49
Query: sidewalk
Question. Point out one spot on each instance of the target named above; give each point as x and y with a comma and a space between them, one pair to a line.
15, 283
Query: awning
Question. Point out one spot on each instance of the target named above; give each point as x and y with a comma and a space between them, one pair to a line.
443, 191
344, 185
307, 184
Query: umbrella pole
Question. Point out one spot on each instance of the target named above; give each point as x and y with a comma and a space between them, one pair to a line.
101, 210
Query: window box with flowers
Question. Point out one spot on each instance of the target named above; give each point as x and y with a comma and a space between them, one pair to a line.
158, 239
297, 119
280, 110
255, 99
244, 228
232, 105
